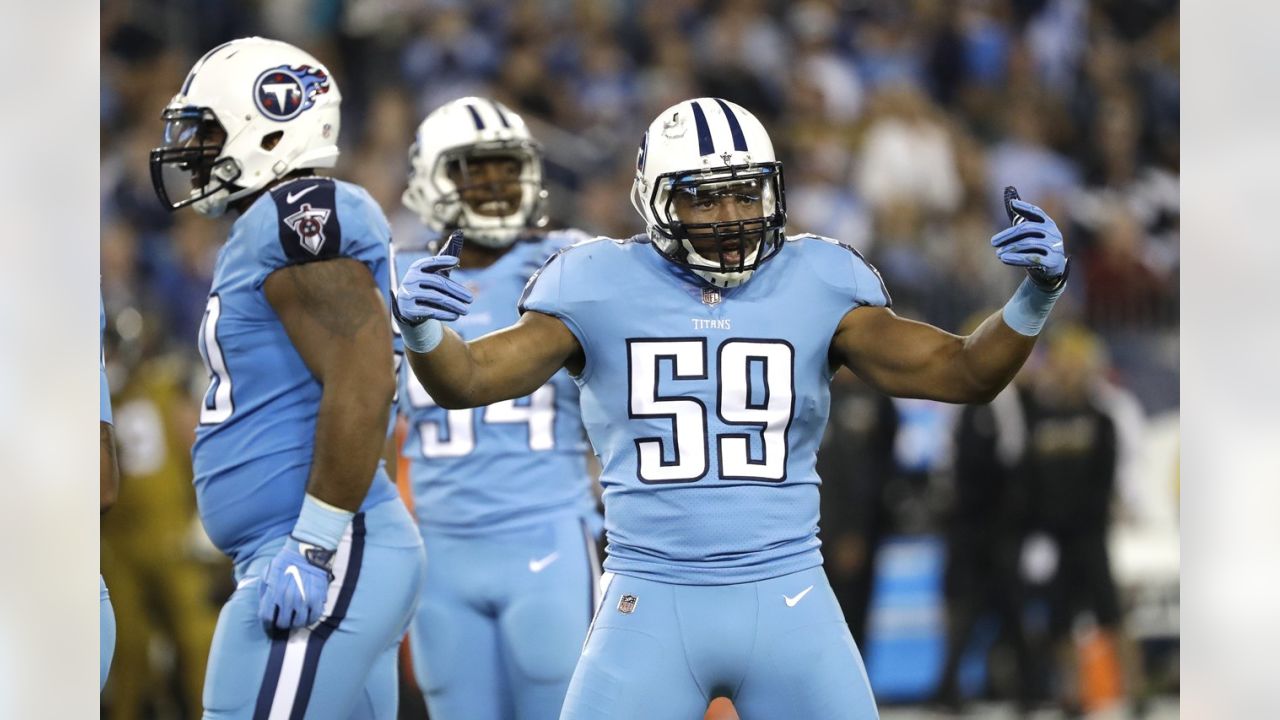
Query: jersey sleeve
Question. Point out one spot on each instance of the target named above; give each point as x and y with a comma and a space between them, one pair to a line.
312, 219
547, 292
847, 272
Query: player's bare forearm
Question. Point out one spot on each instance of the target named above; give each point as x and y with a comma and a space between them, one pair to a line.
505, 364
108, 467
905, 358
334, 314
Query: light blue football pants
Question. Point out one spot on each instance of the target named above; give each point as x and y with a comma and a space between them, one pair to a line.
343, 666
501, 620
106, 633
778, 648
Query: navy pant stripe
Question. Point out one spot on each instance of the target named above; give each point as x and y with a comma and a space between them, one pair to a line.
705, 144
735, 128
267, 693
327, 626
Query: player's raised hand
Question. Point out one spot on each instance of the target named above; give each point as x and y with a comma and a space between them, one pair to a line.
293, 590
428, 293
1033, 242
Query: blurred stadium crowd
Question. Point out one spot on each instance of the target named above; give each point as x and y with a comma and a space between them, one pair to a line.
899, 123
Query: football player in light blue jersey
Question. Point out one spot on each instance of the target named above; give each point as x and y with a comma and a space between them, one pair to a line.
501, 493
298, 343
703, 353
108, 487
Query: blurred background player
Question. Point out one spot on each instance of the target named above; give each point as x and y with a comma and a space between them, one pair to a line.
1069, 467
108, 489
501, 493
297, 340
716, 323
162, 593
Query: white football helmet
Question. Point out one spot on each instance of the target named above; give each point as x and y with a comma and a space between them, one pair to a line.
709, 146
470, 129
250, 111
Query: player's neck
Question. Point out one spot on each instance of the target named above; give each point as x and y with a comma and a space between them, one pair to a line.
476, 257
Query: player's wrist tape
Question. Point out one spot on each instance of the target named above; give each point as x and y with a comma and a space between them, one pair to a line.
423, 338
1029, 307
321, 524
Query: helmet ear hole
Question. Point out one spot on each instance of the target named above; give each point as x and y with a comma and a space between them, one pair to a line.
270, 140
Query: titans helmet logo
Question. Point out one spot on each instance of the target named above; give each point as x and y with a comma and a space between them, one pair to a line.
283, 93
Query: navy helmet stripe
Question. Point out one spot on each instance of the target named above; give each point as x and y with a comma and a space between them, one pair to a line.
735, 128
186, 84
329, 624
502, 117
705, 144
475, 116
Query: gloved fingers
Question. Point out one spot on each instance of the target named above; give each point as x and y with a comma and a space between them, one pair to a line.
1029, 212
1018, 232
413, 305
1022, 259
439, 283
1037, 246
431, 265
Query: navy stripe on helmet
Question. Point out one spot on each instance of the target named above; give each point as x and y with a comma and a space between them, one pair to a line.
705, 144
475, 116
502, 117
186, 84
644, 152
735, 128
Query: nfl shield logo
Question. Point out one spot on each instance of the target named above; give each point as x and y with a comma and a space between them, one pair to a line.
627, 604
710, 296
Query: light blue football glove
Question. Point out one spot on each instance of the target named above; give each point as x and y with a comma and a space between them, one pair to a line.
1033, 242
293, 590
428, 293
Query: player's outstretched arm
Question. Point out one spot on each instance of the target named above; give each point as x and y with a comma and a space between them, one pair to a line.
333, 313
905, 358
505, 364
502, 365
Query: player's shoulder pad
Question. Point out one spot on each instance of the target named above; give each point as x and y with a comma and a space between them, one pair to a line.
841, 266
556, 240
555, 267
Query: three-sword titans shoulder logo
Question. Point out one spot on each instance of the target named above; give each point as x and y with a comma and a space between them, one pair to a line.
309, 222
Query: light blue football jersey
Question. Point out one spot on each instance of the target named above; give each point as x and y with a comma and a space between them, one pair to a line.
254, 443
706, 405
506, 465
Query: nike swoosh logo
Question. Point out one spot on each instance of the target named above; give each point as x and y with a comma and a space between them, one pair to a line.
1057, 244
791, 601
541, 564
292, 571
292, 198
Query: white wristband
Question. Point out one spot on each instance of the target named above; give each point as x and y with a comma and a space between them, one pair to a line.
423, 338
1029, 307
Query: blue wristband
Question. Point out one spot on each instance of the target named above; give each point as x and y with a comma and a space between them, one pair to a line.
1029, 307
321, 524
423, 338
